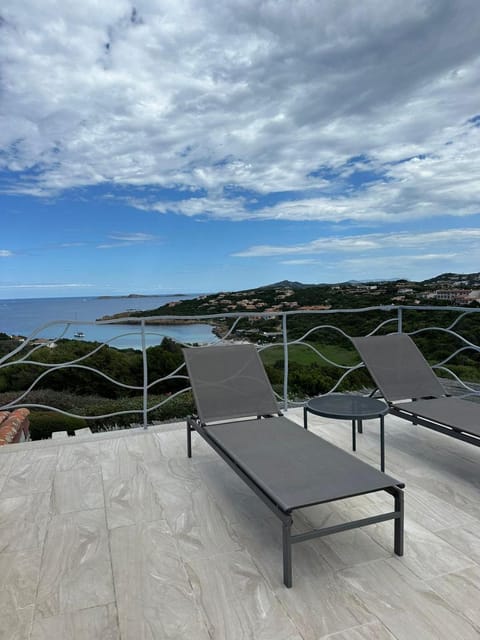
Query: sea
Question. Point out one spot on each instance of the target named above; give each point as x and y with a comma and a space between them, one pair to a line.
77, 315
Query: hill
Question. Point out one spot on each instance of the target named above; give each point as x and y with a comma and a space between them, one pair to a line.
456, 289
288, 284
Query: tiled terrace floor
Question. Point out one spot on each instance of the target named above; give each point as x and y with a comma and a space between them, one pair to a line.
121, 536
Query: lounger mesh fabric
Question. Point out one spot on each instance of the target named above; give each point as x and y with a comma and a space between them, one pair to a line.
295, 467
398, 368
228, 382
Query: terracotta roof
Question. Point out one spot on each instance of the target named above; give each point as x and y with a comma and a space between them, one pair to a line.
13, 425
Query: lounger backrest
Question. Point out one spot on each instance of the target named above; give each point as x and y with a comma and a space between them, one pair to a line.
398, 368
228, 382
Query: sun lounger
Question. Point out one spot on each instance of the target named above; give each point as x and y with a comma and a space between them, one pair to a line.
400, 372
287, 466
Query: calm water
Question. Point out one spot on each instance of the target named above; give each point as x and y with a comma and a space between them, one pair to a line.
26, 316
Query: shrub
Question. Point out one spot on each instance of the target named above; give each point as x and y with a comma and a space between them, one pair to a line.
63, 400
174, 409
44, 423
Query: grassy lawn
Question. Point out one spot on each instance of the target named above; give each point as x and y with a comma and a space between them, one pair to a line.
305, 356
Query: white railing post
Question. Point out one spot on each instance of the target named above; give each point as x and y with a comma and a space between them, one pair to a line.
400, 320
285, 360
145, 375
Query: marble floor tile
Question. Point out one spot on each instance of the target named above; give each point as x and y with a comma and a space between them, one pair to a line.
170, 470
462, 590
16, 624
465, 538
236, 600
144, 446
319, 602
131, 499
348, 547
372, 631
6, 460
95, 623
23, 521
154, 595
119, 458
77, 490
36, 450
433, 513
428, 555
407, 606
173, 444
76, 570
198, 523
453, 486
29, 476
3, 477
19, 571
85, 454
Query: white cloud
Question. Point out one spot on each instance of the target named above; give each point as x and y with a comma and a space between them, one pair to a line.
242, 99
48, 285
128, 240
5, 253
367, 243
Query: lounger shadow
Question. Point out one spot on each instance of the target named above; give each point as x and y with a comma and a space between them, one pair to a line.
400, 372
287, 466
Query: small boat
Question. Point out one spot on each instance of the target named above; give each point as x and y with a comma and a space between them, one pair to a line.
79, 334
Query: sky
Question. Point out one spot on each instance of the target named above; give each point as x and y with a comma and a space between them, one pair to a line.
196, 146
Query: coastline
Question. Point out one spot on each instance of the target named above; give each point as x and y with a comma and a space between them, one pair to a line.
120, 319
219, 329
48, 318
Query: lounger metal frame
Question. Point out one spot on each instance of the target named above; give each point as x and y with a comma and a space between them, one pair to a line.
447, 430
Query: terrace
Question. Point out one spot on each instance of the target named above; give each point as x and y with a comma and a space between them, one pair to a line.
119, 535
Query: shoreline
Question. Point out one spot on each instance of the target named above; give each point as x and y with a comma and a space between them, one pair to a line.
218, 329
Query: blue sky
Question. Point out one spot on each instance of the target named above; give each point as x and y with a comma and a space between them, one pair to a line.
163, 147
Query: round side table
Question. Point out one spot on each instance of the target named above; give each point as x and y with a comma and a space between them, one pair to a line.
343, 406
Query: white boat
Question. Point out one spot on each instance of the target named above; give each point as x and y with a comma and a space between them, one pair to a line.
79, 334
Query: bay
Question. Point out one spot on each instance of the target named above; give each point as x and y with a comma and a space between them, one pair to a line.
26, 317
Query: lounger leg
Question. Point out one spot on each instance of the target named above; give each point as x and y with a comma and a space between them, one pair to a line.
398, 536
360, 426
189, 439
354, 435
382, 443
287, 552
305, 422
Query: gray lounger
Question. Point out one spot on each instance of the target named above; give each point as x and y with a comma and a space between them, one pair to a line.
400, 372
287, 466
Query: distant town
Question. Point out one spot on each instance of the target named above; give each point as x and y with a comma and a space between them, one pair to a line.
443, 290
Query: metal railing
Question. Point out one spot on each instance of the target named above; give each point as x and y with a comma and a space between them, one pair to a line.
394, 321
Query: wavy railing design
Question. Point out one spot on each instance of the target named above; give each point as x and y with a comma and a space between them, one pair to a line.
290, 321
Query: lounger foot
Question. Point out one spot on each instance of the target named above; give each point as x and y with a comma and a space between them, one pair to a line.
399, 524
189, 438
287, 553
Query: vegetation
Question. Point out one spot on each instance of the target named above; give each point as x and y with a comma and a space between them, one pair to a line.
44, 423
74, 388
